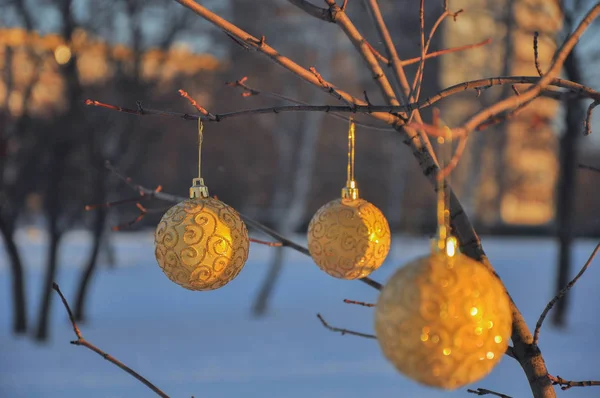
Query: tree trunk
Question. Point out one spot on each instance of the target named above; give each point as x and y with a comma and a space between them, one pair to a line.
567, 190
88, 272
18, 283
41, 333
262, 299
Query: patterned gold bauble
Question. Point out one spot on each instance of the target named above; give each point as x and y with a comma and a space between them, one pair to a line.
443, 321
348, 238
201, 244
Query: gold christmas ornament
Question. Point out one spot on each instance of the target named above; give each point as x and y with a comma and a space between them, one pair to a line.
349, 237
201, 243
443, 320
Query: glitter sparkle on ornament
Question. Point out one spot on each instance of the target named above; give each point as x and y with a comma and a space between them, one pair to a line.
443, 321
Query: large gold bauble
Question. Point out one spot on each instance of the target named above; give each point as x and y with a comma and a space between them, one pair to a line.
201, 244
443, 321
348, 238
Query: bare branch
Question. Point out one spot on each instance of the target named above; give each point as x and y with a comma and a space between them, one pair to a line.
250, 91
536, 58
434, 54
196, 105
485, 391
364, 49
576, 88
84, 343
254, 43
538, 325
535, 90
262, 242
588, 117
358, 303
344, 331
312, 10
587, 167
566, 384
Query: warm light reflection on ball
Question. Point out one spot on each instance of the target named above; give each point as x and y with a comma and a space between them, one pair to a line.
201, 244
443, 321
349, 238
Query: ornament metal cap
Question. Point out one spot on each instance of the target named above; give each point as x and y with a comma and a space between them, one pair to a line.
350, 191
198, 190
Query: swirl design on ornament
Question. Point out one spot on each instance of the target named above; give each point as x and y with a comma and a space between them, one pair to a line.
201, 244
443, 321
348, 238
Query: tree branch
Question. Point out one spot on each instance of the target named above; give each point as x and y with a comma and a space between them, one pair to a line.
566, 384
485, 391
534, 91
250, 91
84, 343
578, 89
559, 295
312, 10
254, 43
345, 331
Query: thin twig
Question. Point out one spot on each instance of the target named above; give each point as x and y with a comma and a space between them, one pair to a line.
563, 291
275, 56
535, 90
485, 391
566, 384
344, 331
262, 242
580, 90
434, 54
587, 167
84, 343
196, 105
251, 91
359, 303
450, 50
588, 117
330, 88
536, 58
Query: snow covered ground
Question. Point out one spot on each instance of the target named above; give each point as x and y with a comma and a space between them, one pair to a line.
207, 344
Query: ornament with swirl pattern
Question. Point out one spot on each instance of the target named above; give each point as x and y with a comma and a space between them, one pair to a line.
201, 243
443, 320
349, 237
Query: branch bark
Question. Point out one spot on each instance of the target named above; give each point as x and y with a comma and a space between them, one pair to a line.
84, 343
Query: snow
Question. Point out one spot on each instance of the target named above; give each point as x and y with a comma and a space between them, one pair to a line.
207, 344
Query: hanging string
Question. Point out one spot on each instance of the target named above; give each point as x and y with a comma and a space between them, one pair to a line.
200, 129
351, 132
350, 191
198, 189
445, 241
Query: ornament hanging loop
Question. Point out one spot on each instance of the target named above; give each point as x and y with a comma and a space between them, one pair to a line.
198, 190
350, 191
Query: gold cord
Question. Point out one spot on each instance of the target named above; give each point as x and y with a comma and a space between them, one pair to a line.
350, 191
198, 190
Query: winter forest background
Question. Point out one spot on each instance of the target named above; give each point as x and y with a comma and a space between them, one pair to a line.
519, 183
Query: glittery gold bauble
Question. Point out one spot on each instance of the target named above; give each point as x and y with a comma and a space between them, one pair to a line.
349, 238
201, 244
443, 321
